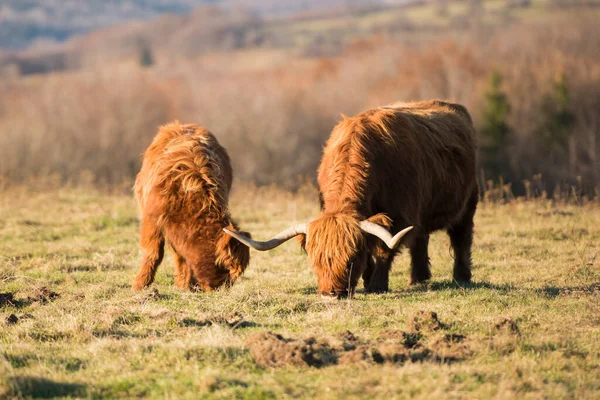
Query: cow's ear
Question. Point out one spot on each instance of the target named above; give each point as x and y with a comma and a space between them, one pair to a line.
233, 255
230, 249
247, 234
235, 247
382, 220
302, 241
378, 247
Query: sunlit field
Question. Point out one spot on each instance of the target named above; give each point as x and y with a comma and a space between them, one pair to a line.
85, 84
527, 327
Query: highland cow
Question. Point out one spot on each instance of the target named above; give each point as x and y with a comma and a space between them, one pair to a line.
408, 164
182, 191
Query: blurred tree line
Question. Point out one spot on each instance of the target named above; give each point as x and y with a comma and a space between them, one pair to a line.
554, 138
533, 91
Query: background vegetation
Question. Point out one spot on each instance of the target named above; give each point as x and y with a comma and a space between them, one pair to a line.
271, 88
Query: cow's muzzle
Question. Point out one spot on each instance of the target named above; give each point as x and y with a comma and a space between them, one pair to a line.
337, 294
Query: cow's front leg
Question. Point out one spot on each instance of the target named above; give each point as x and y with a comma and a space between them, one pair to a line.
377, 274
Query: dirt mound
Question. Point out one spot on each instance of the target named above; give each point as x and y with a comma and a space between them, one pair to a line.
504, 335
233, 320
43, 295
408, 339
425, 343
506, 325
344, 341
150, 295
6, 299
450, 347
272, 350
348, 338
424, 321
12, 319
361, 353
436, 345
39, 295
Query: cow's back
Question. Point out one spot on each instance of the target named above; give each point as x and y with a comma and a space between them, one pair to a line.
184, 171
414, 161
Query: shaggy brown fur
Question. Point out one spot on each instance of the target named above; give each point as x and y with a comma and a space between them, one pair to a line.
182, 191
401, 165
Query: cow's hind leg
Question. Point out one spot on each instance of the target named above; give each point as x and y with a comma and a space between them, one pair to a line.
153, 248
419, 267
461, 237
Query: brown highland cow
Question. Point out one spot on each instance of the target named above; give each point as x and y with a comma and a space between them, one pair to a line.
182, 191
409, 164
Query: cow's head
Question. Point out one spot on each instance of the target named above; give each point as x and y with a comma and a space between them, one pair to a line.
336, 247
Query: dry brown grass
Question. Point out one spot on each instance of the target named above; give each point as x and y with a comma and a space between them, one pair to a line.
527, 326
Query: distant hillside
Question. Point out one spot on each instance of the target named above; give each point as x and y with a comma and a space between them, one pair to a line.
317, 28
27, 22
23, 22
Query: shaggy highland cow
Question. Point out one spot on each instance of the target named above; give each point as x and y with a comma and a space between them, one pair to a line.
409, 164
182, 191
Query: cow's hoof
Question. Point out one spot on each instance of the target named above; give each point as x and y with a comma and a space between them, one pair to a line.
418, 281
376, 290
463, 278
137, 286
421, 277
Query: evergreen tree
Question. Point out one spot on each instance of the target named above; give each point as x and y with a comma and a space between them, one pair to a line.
557, 122
495, 132
146, 57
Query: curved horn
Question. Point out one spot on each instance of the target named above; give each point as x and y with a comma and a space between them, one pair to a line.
383, 234
278, 239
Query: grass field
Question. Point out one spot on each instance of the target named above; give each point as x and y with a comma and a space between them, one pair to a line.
527, 327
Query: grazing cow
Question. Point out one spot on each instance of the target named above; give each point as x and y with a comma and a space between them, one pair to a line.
408, 164
182, 191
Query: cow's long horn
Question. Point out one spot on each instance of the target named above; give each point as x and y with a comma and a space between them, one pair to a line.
383, 234
278, 239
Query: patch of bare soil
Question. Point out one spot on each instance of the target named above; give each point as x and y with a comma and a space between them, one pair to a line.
554, 212
12, 319
233, 320
424, 321
450, 347
6, 299
43, 295
152, 294
148, 295
40, 295
506, 325
272, 350
504, 335
425, 341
